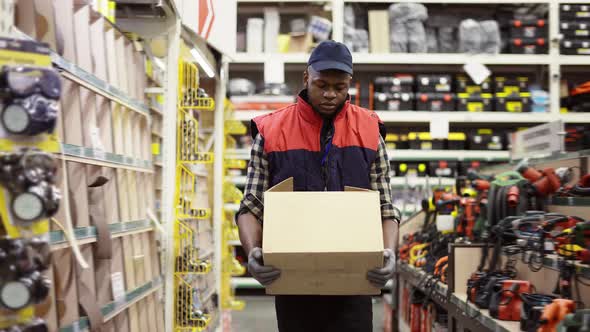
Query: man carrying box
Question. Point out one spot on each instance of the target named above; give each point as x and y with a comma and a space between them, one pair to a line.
321, 143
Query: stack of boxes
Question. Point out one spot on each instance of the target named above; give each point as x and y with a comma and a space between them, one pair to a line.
529, 36
512, 94
575, 28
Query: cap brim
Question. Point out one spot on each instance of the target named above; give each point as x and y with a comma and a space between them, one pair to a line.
331, 65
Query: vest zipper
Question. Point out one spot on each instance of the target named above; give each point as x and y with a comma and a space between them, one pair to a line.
326, 136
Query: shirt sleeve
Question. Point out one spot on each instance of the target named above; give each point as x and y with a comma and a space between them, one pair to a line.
257, 180
380, 181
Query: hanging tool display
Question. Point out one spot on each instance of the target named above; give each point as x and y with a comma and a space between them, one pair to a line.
29, 99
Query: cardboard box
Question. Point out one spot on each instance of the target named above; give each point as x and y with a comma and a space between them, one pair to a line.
379, 31
300, 42
324, 242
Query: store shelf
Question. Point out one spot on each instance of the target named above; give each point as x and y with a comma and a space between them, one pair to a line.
111, 309
419, 279
454, 117
451, 155
415, 155
85, 235
482, 316
407, 58
553, 262
396, 181
101, 158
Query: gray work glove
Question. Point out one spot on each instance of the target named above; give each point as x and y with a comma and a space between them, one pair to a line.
266, 275
379, 276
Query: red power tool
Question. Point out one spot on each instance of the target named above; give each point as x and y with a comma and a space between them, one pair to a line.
506, 304
470, 209
554, 313
547, 181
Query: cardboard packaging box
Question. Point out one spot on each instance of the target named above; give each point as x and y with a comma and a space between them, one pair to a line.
324, 242
379, 31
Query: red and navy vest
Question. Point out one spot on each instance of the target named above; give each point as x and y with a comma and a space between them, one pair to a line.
292, 144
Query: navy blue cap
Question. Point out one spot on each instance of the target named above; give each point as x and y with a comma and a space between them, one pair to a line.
330, 54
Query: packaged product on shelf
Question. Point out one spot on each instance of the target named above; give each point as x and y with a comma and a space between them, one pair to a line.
431, 40
529, 28
423, 141
254, 35
434, 83
443, 168
320, 28
490, 42
241, 87
476, 102
447, 40
574, 12
435, 102
397, 83
407, 28
513, 102
575, 46
393, 101
511, 84
470, 36
574, 29
579, 100
577, 138
529, 45
464, 84
485, 139
272, 24
456, 141
473, 166
413, 169
379, 31
397, 141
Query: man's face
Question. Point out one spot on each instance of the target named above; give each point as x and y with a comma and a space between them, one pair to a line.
326, 90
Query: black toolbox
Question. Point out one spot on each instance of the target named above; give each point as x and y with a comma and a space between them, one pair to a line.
398, 83
397, 141
393, 101
435, 102
575, 47
577, 138
529, 46
528, 28
423, 141
511, 84
434, 83
571, 29
443, 168
480, 102
513, 102
485, 139
456, 141
419, 169
574, 12
465, 84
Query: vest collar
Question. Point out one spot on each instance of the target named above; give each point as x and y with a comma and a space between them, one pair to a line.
310, 115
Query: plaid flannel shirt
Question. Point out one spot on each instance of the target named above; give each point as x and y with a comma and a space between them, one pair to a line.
257, 182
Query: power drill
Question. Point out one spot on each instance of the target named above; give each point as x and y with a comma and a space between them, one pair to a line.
506, 303
469, 210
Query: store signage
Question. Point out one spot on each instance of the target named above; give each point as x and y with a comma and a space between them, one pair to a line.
539, 141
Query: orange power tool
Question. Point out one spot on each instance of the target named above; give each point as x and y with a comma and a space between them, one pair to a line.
554, 313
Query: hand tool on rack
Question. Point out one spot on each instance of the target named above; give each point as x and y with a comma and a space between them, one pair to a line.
546, 181
554, 313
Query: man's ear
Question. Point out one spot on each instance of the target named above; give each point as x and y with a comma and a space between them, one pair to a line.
305, 78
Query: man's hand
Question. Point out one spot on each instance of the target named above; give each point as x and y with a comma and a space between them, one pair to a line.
266, 275
379, 276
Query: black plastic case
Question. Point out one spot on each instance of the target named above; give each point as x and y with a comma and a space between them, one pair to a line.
575, 30
401, 83
515, 103
575, 47
435, 102
529, 28
529, 46
475, 102
434, 83
485, 139
511, 84
393, 101
574, 12
443, 168
464, 84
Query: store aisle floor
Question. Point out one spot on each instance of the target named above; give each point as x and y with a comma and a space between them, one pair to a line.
259, 315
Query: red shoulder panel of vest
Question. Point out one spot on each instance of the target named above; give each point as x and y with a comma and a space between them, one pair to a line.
359, 127
285, 130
